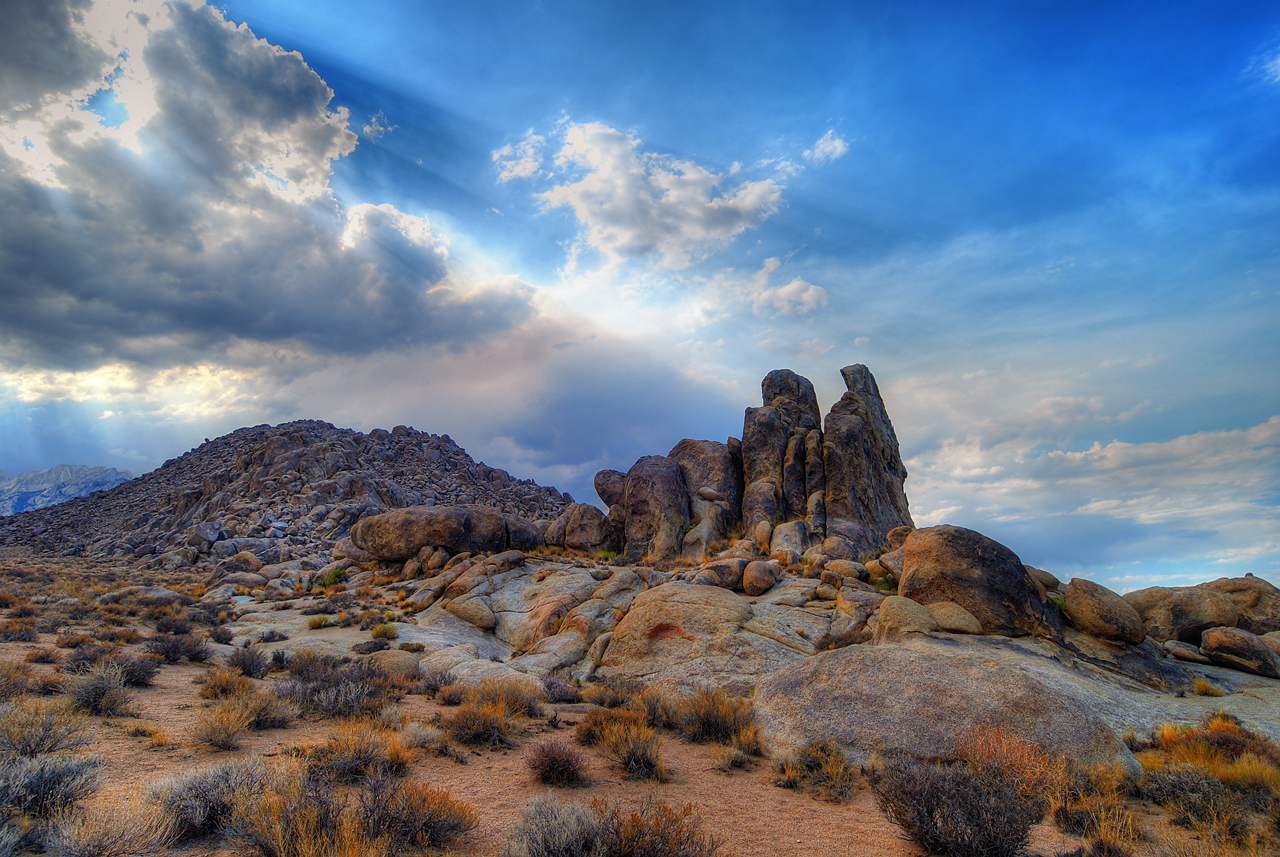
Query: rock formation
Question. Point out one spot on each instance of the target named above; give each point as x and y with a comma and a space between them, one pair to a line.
791, 483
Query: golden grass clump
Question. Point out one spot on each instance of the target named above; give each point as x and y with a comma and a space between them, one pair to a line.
223, 682
520, 699
634, 748
659, 709
1204, 687
222, 727
1092, 803
819, 767
592, 725
476, 723
123, 828
715, 716
1037, 773
360, 748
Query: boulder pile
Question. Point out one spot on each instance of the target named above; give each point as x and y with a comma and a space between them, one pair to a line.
792, 484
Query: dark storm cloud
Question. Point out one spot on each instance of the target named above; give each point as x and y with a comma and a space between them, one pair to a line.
221, 229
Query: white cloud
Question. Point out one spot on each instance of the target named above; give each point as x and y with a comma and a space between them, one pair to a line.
377, 126
829, 147
522, 160
634, 204
1205, 500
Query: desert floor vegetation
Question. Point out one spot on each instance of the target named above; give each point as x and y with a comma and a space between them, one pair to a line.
350, 758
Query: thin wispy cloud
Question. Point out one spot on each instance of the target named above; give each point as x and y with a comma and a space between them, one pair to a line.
829, 147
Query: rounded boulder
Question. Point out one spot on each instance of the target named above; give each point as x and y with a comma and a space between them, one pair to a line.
1100, 612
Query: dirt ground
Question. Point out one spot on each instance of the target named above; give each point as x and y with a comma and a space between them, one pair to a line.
744, 810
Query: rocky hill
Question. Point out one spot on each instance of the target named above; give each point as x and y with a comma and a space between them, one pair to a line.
290, 489
37, 489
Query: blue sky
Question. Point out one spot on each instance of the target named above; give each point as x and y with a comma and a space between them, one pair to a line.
570, 234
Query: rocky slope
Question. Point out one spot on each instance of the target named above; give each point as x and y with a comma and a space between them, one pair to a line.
38, 489
288, 489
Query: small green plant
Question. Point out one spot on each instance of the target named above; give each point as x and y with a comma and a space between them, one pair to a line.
333, 578
606, 556
385, 631
315, 623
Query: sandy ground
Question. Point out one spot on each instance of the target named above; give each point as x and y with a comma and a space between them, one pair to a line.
744, 810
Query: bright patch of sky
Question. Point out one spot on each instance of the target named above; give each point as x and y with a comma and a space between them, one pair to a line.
571, 234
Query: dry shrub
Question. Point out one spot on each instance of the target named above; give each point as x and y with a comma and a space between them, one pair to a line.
137, 671
480, 723
222, 727
819, 767
10, 840
123, 828
715, 716
44, 655
223, 683
72, 641
48, 784
519, 698
200, 803
250, 662
955, 809
1091, 803
265, 709
324, 685
429, 683
560, 690
548, 828
635, 749
174, 647
100, 691
593, 723
412, 814
1197, 800
1204, 687
659, 709
294, 815
451, 694
360, 748
610, 694
33, 728
15, 679
556, 763
725, 759
1037, 774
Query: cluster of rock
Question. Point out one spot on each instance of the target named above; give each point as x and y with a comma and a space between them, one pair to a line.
37, 489
280, 493
792, 485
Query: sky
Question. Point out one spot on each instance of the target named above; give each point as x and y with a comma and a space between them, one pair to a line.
569, 234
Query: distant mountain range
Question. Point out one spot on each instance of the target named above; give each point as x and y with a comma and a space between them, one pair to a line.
40, 488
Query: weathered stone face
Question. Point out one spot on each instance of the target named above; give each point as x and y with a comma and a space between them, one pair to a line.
948, 563
656, 504
1182, 612
1238, 649
1256, 599
865, 498
609, 485
398, 535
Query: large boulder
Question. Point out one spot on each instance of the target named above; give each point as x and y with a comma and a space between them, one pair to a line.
398, 535
764, 443
759, 576
610, 485
1182, 612
713, 479
946, 563
900, 616
1256, 599
918, 696
1098, 611
1238, 649
864, 472
583, 527
656, 505
682, 636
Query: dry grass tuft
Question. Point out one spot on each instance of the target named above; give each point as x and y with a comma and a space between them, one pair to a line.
33, 728
610, 694
100, 691
548, 828
591, 727
635, 749
659, 709
360, 748
1204, 687
519, 698
15, 679
123, 828
556, 763
412, 814
819, 767
224, 682
475, 723
200, 802
223, 726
